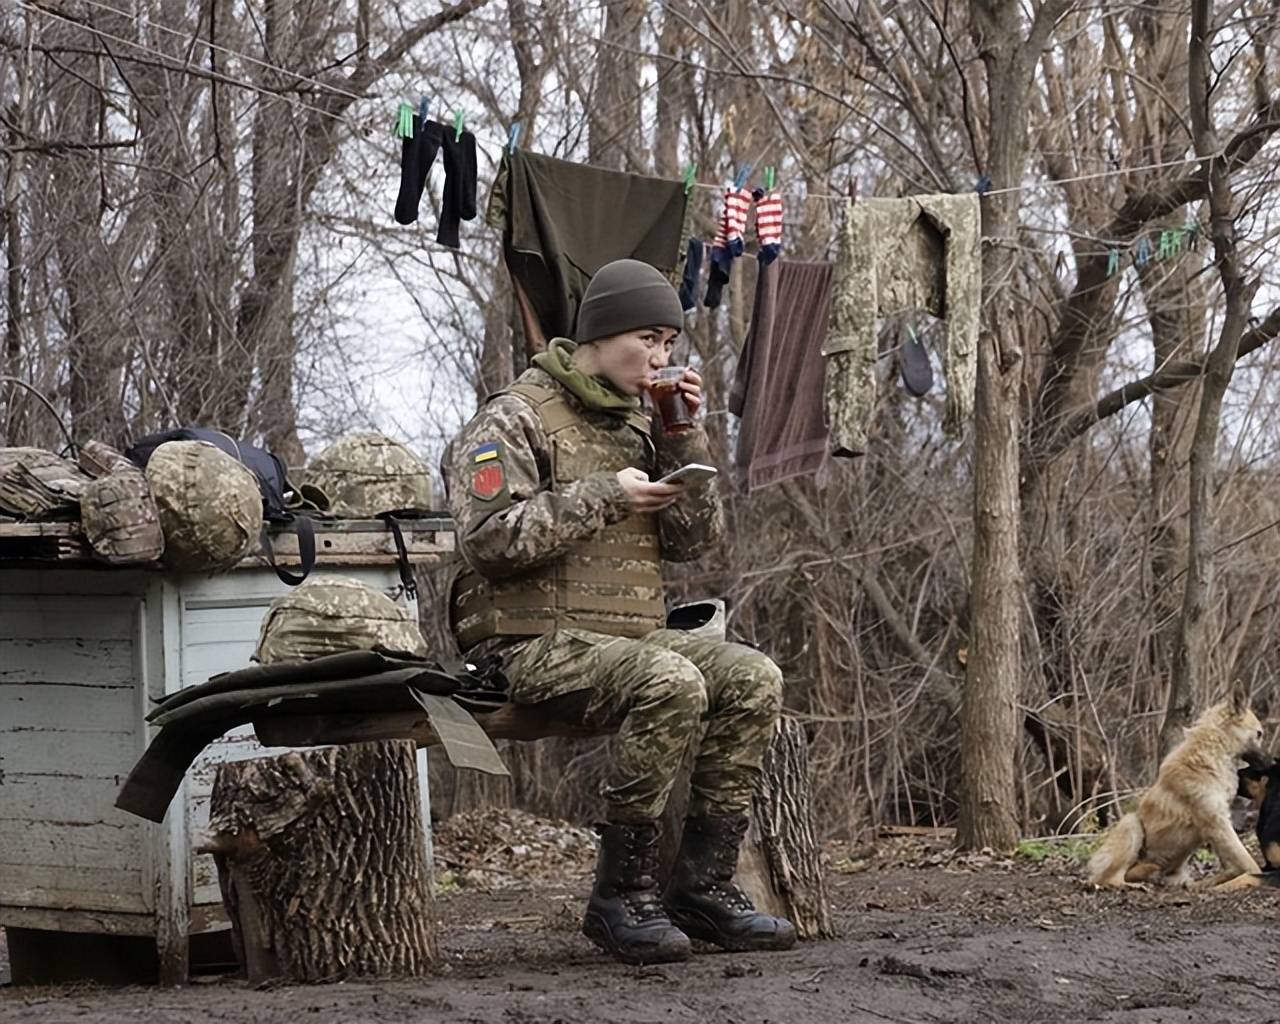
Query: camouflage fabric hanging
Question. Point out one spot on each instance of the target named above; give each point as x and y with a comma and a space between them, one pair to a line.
37, 484
367, 474
332, 614
120, 518
918, 253
210, 506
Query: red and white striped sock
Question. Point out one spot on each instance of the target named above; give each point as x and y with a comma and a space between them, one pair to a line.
737, 204
769, 227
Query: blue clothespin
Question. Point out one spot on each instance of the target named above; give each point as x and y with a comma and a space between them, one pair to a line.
457, 125
513, 136
1142, 252
1113, 262
743, 173
983, 185
422, 111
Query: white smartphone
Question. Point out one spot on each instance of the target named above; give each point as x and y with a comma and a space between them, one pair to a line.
693, 473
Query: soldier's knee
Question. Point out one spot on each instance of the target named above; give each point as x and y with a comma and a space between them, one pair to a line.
758, 684
675, 682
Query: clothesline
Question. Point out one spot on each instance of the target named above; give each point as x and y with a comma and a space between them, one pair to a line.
490, 147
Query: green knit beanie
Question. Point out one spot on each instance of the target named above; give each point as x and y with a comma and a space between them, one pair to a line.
627, 295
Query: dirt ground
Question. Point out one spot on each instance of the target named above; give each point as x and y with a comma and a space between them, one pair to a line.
924, 936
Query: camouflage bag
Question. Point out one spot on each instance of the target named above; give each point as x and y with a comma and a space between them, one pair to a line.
368, 474
120, 518
37, 484
334, 614
210, 506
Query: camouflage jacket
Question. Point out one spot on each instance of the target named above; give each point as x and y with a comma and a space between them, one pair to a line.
527, 524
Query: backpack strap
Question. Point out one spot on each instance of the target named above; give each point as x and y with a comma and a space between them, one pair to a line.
407, 581
305, 529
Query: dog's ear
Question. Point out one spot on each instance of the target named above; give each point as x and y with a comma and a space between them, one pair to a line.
1238, 698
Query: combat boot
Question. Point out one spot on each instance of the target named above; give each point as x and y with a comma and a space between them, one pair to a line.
702, 899
624, 915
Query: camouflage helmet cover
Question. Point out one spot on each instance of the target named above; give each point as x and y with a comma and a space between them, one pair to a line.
367, 474
332, 614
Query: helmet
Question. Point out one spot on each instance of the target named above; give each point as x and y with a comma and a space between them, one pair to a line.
120, 519
331, 614
369, 473
210, 505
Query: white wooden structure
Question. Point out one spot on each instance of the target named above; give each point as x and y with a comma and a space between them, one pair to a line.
84, 653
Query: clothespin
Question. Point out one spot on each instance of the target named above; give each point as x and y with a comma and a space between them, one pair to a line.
689, 177
1142, 252
744, 172
1193, 233
1113, 261
1168, 244
983, 185
768, 179
404, 121
513, 136
852, 189
457, 125
422, 111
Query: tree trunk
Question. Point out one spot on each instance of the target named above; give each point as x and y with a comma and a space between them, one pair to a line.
780, 867
989, 717
1191, 662
322, 863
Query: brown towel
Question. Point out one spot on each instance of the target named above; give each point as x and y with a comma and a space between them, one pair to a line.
777, 389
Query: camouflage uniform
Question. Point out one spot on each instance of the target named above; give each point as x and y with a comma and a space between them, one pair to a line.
526, 506
923, 252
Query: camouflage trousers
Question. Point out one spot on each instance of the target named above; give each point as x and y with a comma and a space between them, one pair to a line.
662, 694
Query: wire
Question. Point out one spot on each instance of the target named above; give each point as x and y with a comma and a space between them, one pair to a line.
1027, 187
172, 65
489, 147
139, 20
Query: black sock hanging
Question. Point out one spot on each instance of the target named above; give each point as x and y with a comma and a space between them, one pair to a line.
459, 185
416, 157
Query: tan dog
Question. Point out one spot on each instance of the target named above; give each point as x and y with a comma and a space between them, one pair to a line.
1189, 806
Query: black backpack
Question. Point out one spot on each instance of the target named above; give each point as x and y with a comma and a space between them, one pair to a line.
272, 482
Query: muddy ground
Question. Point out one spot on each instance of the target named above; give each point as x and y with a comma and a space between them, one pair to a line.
924, 937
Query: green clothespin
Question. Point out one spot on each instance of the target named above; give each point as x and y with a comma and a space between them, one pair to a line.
1113, 262
1168, 244
457, 125
689, 177
404, 121
768, 179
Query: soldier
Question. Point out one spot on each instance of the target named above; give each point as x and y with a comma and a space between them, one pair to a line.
563, 529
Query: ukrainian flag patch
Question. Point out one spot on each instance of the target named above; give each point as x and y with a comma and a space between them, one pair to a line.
486, 452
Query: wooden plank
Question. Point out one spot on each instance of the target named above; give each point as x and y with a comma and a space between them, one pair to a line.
71, 617
337, 547
77, 800
59, 580
923, 831
70, 708
66, 844
67, 662
87, 922
60, 752
62, 888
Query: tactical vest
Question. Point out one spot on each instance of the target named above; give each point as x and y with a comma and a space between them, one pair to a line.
610, 583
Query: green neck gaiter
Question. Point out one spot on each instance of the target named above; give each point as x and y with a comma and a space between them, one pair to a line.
593, 392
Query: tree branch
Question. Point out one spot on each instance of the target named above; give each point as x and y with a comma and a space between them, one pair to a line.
1171, 375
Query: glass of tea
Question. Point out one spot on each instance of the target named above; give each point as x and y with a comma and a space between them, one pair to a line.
673, 410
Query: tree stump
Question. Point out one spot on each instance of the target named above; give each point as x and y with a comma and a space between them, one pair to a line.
780, 866
322, 863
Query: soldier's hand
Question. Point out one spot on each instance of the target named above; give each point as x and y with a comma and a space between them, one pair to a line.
691, 388
644, 495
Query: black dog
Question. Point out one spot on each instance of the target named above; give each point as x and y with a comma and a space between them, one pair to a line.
1260, 784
